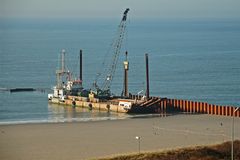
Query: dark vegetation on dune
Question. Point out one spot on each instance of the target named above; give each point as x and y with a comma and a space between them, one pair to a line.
214, 152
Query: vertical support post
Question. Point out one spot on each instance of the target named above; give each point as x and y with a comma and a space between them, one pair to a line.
217, 110
195, 107
224, 110
191, 106
126, 67
198, 107
227, 110
147, 76
80, 67
162, 108
233, 115
169, 105
209, 108
184, 106
187, 106
220, 110
214, 109
60, 71
201, 107
139, 145
165, 106
63, 60
175, 103
181, 105
138, 138
206, 107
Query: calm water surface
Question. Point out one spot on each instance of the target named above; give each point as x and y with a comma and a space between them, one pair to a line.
189, 59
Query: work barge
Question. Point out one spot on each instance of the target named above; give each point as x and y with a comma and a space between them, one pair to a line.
70, 91
65, 94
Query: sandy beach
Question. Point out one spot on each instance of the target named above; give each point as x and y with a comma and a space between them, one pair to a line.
86, 140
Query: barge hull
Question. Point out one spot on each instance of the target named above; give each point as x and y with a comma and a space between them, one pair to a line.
104, 106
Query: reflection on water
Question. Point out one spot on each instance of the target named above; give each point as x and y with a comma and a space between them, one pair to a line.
63, 113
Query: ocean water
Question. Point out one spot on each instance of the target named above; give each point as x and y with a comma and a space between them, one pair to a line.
189, 59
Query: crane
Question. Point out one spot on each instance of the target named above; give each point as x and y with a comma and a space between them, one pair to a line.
104, 89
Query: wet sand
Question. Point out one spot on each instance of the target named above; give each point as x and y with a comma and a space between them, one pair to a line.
86, 140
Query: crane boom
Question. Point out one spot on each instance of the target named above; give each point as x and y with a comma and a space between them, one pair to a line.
117, 48
117, 44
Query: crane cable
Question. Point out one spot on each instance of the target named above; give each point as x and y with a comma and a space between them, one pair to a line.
116, 46
117, 50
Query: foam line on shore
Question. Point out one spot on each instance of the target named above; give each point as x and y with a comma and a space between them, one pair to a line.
69, 120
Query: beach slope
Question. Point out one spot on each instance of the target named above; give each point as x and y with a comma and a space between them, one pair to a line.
86, 140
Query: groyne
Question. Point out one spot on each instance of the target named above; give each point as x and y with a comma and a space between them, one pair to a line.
166, 105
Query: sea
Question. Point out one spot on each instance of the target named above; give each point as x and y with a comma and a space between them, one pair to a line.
192, 59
